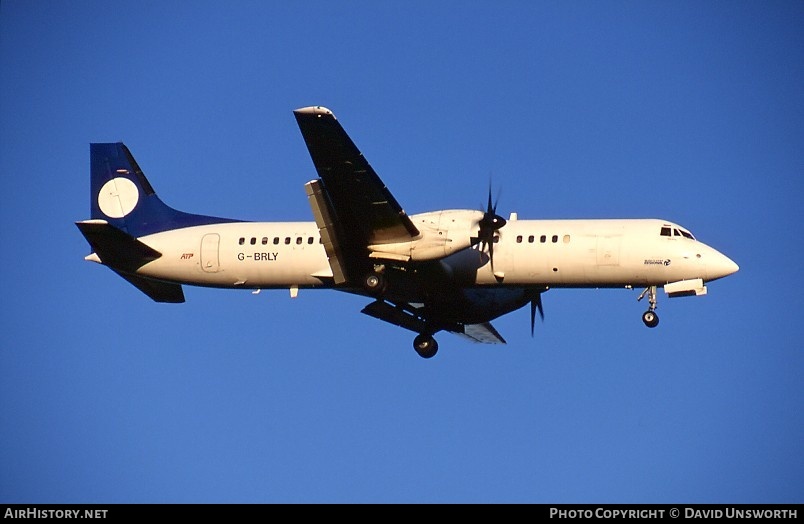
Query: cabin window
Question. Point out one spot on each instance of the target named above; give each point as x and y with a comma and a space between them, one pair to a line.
241, 241
298, 240
519, 239
310, 240
276, 240
320, 240
555, 239
253, 240
531, 238
566, 239
287, 240
264, 241
543, 239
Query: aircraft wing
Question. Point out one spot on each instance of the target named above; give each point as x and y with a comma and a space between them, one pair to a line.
483, 333
365, 211
413, 317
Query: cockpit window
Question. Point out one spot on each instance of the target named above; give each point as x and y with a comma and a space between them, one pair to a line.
668, 231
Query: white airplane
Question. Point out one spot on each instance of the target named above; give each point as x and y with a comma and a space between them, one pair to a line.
452, 270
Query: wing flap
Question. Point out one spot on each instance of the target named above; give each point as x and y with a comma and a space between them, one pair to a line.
328, 228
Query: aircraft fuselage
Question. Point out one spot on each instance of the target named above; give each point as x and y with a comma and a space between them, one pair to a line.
554, 253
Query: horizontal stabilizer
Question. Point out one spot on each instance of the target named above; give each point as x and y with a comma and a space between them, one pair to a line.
115, 248
125, 254
158, 291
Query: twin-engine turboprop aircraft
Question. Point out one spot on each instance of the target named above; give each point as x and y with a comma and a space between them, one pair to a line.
452, 270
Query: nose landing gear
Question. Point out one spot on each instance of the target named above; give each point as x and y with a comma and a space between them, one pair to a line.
649, 317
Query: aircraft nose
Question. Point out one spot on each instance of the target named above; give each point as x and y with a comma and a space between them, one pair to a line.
720, 266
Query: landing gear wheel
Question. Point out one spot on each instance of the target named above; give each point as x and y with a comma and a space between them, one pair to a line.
650, 318
374, 283
425, 345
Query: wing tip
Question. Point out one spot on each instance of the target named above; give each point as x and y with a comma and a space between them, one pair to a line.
314, 110
483, 333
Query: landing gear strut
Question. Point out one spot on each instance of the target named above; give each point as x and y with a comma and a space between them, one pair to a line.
649, 317
425, 345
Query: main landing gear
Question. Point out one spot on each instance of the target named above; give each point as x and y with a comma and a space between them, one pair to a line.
649, 317
376, 282
425, 345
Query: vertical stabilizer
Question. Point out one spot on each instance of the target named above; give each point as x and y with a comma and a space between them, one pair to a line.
122, 196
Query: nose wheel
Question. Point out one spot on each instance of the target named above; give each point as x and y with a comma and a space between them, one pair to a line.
649, 317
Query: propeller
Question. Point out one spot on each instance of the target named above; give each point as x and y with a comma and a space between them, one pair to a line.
487, 227
535, 296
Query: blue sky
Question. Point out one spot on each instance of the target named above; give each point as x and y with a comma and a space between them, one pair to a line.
688, 111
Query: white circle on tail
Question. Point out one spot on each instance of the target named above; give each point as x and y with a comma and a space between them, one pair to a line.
118, 197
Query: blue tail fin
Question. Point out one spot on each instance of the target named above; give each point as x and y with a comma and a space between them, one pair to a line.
121, 195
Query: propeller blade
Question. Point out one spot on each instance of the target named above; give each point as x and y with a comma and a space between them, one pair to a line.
491, 253
487, 227
535, 304
490, 210
496, 201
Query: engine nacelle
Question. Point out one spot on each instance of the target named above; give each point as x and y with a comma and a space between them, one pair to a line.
442, 233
